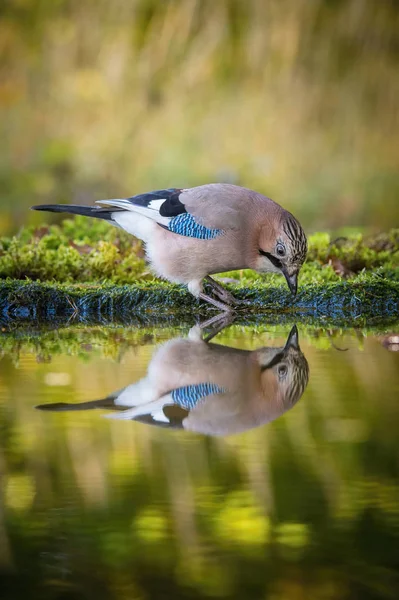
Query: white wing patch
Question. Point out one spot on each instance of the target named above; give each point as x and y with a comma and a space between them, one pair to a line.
151, 211
135, 224
160, 416
156, 204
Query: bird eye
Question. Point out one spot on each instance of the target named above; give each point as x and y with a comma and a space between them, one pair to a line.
280, 250
282, 371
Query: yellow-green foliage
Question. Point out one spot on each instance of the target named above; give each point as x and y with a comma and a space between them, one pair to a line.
294, 98
356, 251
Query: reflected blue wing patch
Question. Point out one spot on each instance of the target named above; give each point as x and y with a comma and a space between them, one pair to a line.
185, 224
188, 396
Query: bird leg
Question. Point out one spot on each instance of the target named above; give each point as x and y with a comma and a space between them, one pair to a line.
221, 292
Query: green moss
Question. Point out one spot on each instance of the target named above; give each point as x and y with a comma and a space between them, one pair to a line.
83, 250
367, 300
356, 252
348, 280
77, 251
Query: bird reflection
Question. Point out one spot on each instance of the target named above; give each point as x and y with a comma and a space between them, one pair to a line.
208, 388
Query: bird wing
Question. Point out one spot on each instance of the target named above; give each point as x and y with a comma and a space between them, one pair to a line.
150, 205
202, 212
185, 397
217, 205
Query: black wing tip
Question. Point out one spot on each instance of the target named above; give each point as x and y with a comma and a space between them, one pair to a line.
49, 207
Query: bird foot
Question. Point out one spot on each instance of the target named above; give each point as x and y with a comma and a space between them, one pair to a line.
228, 298
223, 295
225, 308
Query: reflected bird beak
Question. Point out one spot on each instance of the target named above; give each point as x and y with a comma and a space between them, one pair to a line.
293, 339
292, 281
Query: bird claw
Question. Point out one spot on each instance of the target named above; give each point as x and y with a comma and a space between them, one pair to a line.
231, 300
225, 297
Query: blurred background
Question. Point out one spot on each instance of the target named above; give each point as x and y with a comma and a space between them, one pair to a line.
296, 99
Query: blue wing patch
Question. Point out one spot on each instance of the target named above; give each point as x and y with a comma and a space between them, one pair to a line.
188, 396
185, 224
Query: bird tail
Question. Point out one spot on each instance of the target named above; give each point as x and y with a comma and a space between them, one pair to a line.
76, 209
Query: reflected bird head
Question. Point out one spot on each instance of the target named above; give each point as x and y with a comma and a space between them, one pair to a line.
286, 368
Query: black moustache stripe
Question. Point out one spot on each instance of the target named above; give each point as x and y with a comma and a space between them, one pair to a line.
275, 261
278, 358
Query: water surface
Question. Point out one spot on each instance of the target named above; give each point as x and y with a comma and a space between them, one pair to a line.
225, 491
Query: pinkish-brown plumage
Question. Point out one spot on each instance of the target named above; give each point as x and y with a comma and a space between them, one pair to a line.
193, 233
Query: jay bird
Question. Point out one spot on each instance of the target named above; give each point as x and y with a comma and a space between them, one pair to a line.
191, 234
208, 388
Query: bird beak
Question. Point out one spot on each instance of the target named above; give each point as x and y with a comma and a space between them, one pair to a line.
293, 339
292, 281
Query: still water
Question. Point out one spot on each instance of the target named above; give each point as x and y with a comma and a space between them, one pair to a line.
261, 464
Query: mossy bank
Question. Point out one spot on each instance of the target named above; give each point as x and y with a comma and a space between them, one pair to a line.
64, 273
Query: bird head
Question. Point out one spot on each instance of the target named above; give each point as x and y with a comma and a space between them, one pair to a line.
285, 370
282, 248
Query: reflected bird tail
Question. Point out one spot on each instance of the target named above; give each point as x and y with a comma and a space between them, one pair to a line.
92, 404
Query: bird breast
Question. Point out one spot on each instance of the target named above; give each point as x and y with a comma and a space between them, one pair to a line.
183, 259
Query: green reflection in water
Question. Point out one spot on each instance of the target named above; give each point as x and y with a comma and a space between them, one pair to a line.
304, 506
